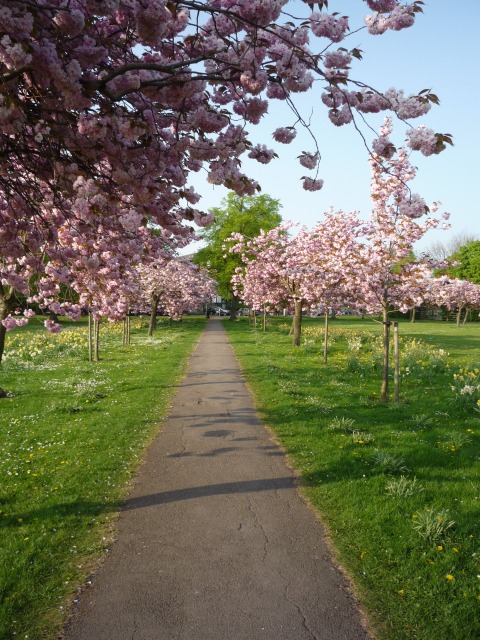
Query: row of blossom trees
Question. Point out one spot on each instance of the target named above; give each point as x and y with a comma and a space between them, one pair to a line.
173, 286
107, 106
460, 296
111, 287
345, 261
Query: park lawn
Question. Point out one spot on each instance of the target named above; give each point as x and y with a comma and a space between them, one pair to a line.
71, 438
388, 480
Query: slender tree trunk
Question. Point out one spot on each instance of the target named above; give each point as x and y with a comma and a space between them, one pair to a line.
264, 319
412, 314
467, 312
126, 330
153, 314
325, 338
386, 347
396, 375
3, 333
90, 337
297, 323
96, 331
459, 315
6, 304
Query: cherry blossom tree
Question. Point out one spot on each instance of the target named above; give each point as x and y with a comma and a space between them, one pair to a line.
275, 266
175, 286
91, 267
367, 264
384, 278
108, 105
330, 251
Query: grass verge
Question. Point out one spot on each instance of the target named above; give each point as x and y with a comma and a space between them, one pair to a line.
397, 484
71, 437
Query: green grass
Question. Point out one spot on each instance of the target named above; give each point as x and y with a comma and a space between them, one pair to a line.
71, 437
388, 479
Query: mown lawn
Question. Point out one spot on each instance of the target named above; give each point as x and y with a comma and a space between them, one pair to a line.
397, 485
71, 437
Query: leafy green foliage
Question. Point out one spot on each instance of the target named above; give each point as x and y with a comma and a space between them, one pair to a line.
247, 215
469, 257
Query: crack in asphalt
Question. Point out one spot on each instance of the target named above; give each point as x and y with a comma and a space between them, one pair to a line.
302, 615
262, 529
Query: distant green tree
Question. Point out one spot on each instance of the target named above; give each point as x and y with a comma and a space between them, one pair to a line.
247, 215
469, 257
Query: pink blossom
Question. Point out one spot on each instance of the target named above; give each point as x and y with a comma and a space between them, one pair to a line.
9, 323
285, 135
261, 154
309, 184
309, 160
328, 26
424, 140
415, 207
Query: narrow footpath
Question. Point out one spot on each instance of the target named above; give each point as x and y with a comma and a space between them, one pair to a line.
214, 542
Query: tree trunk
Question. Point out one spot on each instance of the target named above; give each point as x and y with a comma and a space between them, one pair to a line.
6, 306
153, 314
3, 333
386, 347
467, 312
96, 331
126, 330
412, 314
325, 338
264, 319
90, 337
297, 323
396, 375
459, 315
235, 305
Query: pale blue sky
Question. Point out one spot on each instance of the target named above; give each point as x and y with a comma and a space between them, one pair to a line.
438, 52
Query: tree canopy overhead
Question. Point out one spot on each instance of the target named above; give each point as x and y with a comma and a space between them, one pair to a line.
112, 103
106, 106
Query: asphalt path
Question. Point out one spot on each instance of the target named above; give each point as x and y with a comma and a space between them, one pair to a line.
215, 542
